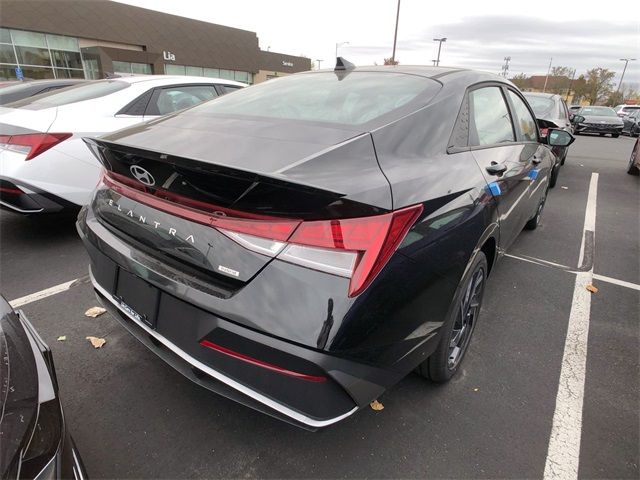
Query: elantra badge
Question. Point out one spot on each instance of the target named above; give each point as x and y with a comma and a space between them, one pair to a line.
142, 175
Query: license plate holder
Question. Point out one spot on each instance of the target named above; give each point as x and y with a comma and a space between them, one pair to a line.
137, 298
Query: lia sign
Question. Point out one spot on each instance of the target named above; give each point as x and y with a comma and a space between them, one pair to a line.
168, 56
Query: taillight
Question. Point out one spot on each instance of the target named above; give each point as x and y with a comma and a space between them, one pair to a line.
355, 248
544, 132
32, 144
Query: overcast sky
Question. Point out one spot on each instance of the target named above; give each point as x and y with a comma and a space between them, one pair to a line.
479, 33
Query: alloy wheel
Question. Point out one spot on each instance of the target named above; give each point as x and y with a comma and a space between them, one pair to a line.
465, 321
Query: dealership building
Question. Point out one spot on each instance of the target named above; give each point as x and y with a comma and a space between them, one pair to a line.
97, 38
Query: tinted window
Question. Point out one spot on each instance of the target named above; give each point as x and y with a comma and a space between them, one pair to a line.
541, 106
230, 88
527, 128
351, 99
598, 111
173, 99
491, 122
84, 91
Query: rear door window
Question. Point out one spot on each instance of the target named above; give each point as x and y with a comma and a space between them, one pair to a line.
490, 119
526, 124
171, 99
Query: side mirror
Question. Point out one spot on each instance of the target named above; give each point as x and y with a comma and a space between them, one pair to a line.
559, 138
577, 119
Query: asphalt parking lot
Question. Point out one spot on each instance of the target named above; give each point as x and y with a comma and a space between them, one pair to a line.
504, 415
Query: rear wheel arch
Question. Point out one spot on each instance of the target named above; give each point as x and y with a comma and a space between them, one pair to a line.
489, 248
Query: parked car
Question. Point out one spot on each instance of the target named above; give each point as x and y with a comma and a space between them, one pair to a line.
44, 166
624, 110
634, 160
553, 110
35, 439
631, 123
600, 120
20, 90
302, 245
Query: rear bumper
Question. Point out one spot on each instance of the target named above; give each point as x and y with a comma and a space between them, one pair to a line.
26, 199
179, 328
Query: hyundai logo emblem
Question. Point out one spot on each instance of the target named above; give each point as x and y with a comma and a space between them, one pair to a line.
142, 175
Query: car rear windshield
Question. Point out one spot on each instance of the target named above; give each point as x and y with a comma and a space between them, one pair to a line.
599, 111
541, 105
353, 98
79, 93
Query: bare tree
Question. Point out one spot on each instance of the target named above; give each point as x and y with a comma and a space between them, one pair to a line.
599, 84
520, 80
390, 61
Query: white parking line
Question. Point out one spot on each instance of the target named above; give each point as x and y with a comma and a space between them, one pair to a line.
563, 454
615, 281
63, 287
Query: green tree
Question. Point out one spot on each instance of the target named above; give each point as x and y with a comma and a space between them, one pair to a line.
579, 88
520, 80
599, 83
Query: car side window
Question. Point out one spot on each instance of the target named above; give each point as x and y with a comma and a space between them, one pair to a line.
490, 119
527, 128
172, 99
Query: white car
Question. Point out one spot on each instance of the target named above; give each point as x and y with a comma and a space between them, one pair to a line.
45, 165
624, 110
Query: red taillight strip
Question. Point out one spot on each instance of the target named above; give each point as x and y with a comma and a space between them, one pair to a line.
240, 222
260, 363
13, 191
36, 142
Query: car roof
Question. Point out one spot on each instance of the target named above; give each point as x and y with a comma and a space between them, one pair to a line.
440, 74
540, 94
168, 79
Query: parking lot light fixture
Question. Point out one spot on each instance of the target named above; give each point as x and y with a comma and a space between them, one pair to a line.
626, 62
338, 45
440, 40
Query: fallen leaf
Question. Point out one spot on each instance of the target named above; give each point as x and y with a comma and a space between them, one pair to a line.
564, 188
97, 342
62, 338
94, 312
376, 405
591, 288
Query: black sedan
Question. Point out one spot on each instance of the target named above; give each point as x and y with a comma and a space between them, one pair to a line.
600, 120
33, 437
21, 90
302, 245
632, 123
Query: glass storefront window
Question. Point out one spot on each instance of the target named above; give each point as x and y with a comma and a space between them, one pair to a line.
226, 74
33, 56
59, 42
69, 73
141, 69
66, 59
170, 69
194, 71
121, 67
242, 77
36, 73
28, 39
7, 55
5, 35
211, 72
7, 72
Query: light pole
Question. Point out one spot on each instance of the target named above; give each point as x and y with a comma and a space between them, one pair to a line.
626, 62
546, 79
319, 61
395, 36
338, 45
440, 40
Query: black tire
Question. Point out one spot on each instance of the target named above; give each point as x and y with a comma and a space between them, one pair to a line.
632, 169
615, 135
441, 366
602, 134
533, 223
554, 175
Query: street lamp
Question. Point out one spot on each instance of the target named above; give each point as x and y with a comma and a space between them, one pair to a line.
440, 40
319, 61
626, 62
338, 45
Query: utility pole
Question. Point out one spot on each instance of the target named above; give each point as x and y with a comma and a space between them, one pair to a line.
395, 36
626, 62
319, 61
547, 77
443, 39
573, 75
505, 67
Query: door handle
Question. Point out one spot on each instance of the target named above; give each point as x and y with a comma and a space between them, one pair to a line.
496, 168
536, 160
